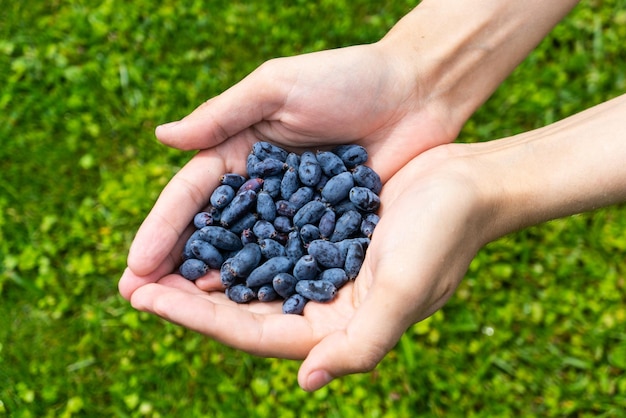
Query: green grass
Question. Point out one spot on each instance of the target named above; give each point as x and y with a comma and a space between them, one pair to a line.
537, 328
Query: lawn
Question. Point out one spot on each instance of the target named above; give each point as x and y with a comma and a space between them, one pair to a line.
537, 328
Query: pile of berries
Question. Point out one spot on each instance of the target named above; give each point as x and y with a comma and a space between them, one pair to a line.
296, 227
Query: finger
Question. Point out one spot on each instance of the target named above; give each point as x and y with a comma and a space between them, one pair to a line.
236, 325
250, 101
375, 328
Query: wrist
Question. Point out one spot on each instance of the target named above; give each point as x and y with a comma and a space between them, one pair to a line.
458, 53
569, 167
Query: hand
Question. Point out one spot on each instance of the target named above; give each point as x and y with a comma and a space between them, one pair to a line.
410, 270
362, 93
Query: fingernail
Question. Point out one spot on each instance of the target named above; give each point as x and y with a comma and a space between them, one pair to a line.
318, 379
167, 125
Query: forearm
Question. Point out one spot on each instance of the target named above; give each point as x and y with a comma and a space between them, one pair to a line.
460, 51
569, 167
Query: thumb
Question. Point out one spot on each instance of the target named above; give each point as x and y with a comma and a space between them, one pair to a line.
377, 325
241, 106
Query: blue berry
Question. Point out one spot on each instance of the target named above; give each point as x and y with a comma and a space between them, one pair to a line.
316, 290
330, 163
337, 276
240, 293
202, 219
294, 304
306, 268
354, 260
338, 188
289, 183
351, 155
309, 170
364, 199
193, 269
346, 225
266, 293
310, 213
326, 253
265, 206
265, 273
284, 284
208, 253
365, 176
222, 196
233, 180
238, 207
264, 150
220, 237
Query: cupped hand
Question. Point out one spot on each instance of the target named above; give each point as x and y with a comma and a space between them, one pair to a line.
432, 223
367, 94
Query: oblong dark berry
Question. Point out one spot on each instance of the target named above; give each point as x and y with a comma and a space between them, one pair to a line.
326, 224
254, 184
354, 260
309, 233
266, 293
310, 213
265, 206
264, 273
222, 196
294, 304
293, 160
246, 260
306, 268
202, 219
365, 176
264, 150
238, 207
337, 276
264, 229
338, 187
346, 225
368, 224
326, 253
290, 183
316, 290
285, 208
268, 167
193, 269
233, 180
271, 248
351, 154
301, 196
240, 293
330, 163
283, 224
271, 185
309, 170
284, 284
220, 237
364, 199
293, 246
208, 253
227, 274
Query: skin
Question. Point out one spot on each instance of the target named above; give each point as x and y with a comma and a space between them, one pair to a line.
404, 98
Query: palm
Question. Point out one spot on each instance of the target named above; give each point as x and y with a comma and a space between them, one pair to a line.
399, 266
